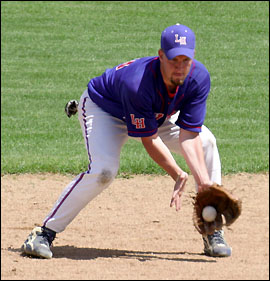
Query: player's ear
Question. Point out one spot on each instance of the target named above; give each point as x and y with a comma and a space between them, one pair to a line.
160, 54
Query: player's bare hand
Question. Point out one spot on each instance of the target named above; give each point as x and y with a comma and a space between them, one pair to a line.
179, 188
71, 108
205, 185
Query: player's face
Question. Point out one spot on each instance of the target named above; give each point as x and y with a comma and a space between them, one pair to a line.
174, 71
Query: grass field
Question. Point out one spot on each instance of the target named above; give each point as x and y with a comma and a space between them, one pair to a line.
50, 50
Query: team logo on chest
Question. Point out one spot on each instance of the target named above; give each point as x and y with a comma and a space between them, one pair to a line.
138, 122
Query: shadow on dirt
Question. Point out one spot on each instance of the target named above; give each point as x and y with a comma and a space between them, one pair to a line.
76, 253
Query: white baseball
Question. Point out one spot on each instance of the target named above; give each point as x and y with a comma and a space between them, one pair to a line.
209, 213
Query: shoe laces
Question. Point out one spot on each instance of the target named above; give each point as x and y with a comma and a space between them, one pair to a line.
217, 237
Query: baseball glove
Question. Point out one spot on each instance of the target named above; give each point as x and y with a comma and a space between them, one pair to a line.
71, 108
227, 205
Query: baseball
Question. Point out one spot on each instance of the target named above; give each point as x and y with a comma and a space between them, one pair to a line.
209, 213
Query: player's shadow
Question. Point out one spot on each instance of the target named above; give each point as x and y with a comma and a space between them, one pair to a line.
76, 253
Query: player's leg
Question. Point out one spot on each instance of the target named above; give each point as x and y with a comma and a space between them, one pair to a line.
104, 137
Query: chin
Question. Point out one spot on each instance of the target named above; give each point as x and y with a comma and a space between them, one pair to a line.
178, 82
181, 82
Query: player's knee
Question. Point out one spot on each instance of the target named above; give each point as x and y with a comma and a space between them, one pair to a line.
106, 176
209, 141
212, 141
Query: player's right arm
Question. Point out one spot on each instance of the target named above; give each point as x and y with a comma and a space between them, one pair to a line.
159, 152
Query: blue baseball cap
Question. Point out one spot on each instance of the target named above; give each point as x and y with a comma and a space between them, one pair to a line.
178, 40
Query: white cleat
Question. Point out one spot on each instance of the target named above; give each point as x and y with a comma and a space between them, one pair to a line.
38, 243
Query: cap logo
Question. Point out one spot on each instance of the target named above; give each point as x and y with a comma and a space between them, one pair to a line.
182, 40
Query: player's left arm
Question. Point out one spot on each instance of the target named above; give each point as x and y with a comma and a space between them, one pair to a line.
192, 150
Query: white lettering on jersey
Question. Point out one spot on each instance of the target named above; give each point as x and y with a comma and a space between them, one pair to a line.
124, 64
182, 40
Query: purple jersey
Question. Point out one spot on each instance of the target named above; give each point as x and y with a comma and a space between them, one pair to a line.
135, 92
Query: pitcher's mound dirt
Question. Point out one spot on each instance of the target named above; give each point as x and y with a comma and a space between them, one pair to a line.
130, 232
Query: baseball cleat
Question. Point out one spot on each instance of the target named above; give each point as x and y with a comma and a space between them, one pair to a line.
38, 243
216, 246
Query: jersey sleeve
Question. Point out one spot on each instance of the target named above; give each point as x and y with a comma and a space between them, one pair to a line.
193, 110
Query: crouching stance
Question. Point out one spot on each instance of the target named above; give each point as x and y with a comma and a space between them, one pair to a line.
159, 101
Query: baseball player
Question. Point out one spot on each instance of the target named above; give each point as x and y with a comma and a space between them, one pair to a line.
160, 101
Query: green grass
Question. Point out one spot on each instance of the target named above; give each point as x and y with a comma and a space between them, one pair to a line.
50, 50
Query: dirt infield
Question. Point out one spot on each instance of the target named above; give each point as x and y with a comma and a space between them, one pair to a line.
129, 232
